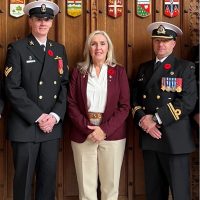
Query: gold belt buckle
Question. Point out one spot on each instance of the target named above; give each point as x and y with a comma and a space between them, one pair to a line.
95, 115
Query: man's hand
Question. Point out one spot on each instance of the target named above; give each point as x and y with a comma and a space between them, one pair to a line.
46, 122
97, 135
149, 126
197, 118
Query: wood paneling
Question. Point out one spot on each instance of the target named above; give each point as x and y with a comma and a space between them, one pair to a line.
132, 46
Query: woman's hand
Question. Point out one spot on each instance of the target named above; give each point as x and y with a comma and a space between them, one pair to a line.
97, 135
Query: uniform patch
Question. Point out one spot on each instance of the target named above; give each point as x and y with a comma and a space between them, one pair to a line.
7, 71
175, 112
135, 109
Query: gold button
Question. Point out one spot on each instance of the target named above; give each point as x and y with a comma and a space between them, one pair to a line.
55, 96
158, 97
144, 96
55, 82
41, 82
40, 97
143, 108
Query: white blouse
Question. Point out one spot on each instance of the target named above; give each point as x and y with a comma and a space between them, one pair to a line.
97, 90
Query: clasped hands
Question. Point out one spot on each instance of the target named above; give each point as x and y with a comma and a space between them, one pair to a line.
150, 127
97, 135
46, 122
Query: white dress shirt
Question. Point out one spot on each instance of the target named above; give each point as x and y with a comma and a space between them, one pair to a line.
97, 90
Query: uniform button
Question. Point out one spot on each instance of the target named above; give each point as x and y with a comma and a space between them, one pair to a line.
40, 97
143, 108
55, 82
55, 96
158, 96
41, 82
144, 96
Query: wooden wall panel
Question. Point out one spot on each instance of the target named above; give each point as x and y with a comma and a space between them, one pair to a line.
2, 122
132, 46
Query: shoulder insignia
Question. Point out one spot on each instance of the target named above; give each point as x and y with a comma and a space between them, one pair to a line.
7, 71
192, 67
31, 43
175, 112
50, 44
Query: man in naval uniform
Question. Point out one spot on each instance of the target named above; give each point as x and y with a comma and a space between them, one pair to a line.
1, 95
36, 77
164, 94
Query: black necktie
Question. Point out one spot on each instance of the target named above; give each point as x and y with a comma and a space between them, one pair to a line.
43, 47
157, 65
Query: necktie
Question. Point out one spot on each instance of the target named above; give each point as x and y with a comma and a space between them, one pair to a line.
43, 47
157, 65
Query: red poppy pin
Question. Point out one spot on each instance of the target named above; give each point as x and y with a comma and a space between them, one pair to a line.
167, 66
111, 72
50, 52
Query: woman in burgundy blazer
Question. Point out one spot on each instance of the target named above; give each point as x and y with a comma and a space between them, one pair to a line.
98, 103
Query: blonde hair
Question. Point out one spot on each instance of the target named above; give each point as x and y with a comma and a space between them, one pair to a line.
84, 66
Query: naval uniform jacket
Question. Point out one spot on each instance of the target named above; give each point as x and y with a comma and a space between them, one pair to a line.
173, 108
116, 110
34, 85
1, 94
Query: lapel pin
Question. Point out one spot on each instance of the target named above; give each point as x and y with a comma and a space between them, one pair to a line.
171, 73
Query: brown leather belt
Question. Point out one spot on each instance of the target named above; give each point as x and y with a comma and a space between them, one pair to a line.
93, 115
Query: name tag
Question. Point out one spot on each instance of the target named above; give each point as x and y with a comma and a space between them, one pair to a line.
30, 61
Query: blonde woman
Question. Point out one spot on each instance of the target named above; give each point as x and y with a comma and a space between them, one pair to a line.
98, 107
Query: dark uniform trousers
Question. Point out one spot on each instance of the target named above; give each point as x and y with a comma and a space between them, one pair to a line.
166, 170
26, 156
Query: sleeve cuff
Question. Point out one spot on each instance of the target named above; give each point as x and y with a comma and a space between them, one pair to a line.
56, 116
158, 118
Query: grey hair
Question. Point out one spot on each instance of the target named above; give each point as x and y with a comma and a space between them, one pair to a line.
84, 66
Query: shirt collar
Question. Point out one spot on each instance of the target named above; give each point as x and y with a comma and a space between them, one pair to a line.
41, 43
161, 59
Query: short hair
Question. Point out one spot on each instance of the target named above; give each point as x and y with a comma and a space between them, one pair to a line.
84, 66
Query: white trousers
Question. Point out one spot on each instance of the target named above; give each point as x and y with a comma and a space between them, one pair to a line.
102, 159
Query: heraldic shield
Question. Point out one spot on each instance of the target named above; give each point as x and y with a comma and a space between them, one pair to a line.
171, 8
143, 8
16, 8
74, 8
115, 8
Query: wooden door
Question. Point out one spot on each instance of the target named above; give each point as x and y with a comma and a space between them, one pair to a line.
132, 46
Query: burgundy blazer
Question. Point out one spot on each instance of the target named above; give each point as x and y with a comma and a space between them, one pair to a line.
116, 110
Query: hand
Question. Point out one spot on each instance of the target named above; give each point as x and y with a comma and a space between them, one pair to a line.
196, 118
97, 135
155, 133
46, 123
149, 126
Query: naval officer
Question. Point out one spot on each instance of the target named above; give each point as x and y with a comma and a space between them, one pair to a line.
36, 77
1, 94
164, 94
